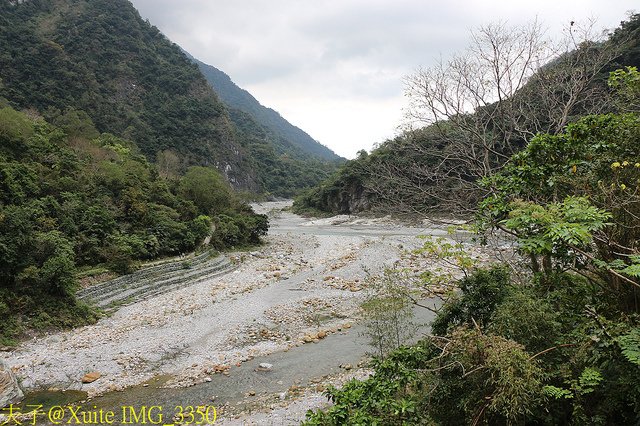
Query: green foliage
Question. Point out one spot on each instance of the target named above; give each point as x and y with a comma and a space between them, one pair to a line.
556, 392
556, 229
388, 313
238, 230
626, 82
92, 67
207, 189
630, 346
480, 294
15, 128
339, 193
576, 191
527, 317
67, 202
391, 397
473, 376
86, 64
534, 358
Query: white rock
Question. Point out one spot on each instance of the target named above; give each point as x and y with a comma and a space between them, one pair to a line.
10, 392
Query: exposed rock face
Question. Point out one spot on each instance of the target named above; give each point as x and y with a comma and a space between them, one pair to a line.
10, 392
350, 199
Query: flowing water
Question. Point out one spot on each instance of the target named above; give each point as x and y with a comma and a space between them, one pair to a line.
296, 366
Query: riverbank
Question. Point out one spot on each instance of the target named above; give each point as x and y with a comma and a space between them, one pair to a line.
305, 284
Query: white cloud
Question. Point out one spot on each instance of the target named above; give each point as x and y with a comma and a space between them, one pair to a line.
334, 67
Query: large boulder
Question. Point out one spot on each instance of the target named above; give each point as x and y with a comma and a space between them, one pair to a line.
10, 392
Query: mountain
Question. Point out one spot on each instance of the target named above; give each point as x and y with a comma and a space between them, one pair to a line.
443, 168
102, 58
290, 137
286, 160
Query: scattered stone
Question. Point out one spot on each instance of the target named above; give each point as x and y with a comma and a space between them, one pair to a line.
91, 377
265, 366
208, 379
252, 393
322, 334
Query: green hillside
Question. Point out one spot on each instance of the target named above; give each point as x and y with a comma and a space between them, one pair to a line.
439, 168
73, 200
288, 137
102, 58
281, 169
286, 159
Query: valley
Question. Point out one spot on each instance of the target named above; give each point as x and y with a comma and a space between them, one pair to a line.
295, 301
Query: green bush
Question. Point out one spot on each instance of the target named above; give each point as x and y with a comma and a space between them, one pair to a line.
479, 296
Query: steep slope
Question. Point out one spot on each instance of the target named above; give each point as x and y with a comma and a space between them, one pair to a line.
71, 199
101, 57
281, 169
288, 136
434, 170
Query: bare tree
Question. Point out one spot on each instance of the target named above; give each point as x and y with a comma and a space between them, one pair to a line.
482, 106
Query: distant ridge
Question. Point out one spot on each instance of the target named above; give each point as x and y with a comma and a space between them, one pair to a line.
237, 98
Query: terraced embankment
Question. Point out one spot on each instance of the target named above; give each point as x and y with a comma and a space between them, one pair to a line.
155, 280
295, 300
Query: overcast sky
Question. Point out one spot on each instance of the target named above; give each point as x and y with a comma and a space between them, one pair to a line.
334, 67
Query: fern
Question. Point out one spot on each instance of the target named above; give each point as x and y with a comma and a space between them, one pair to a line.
632, 270
630, 346
557, 393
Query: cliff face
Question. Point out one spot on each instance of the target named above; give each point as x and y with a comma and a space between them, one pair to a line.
102, 58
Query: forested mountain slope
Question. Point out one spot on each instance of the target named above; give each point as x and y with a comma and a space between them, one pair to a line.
89, 94
102, 58
440, 167
286, 158
289, 138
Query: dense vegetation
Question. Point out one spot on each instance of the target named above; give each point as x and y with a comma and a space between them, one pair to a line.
437, 168
102, 58
73, 199
554, 339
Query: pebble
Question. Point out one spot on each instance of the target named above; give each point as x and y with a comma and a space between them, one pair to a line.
85, 347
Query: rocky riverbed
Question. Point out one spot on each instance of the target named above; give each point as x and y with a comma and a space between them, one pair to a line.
303, 286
